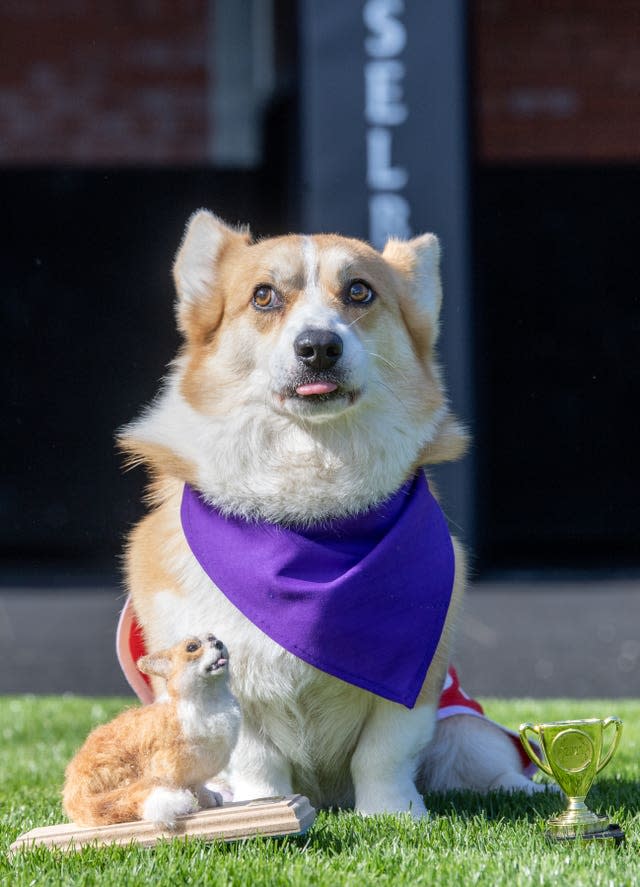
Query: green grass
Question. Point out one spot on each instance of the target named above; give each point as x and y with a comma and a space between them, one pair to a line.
494, 841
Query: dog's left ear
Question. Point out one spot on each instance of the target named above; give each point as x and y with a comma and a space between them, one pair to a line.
418, 261
155, 663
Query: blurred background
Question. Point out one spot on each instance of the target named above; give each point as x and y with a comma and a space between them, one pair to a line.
510, 128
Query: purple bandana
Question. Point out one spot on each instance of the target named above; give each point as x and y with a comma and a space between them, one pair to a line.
362, 598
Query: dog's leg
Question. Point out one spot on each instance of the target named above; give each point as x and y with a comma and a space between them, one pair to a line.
257, 768
384, 762
471, 753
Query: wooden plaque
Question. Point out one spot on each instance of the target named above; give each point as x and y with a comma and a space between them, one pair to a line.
290, 815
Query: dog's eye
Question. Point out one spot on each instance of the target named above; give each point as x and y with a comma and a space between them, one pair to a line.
360, 292
192, 646
266, 297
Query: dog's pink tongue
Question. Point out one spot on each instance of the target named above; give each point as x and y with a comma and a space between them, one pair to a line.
316, 388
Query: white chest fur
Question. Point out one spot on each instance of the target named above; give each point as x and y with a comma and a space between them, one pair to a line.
200, 720
210, 727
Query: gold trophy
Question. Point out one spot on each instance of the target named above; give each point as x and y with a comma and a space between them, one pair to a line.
573, 752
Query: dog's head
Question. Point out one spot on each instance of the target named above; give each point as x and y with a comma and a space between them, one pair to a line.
312, 340
311, 326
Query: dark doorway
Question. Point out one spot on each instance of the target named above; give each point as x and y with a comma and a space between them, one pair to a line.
559, 368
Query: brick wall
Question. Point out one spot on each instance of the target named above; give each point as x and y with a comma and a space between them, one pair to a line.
118, 82
557, 79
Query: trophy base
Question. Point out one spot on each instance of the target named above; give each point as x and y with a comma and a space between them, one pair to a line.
608, 833
574, 823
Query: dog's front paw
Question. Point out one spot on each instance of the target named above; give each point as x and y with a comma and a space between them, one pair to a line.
247, 790
512, 781
377, 799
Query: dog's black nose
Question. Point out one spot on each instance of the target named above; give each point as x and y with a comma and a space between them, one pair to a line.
219, 645
318, 349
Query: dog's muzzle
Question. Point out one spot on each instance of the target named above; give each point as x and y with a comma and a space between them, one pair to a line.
318, 349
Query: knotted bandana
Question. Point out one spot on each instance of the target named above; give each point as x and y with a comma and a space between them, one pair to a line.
362, 598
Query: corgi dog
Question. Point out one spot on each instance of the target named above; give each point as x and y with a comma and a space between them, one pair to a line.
307, 392
153, 762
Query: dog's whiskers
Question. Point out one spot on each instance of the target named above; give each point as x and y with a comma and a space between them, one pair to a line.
388, 362
394, 393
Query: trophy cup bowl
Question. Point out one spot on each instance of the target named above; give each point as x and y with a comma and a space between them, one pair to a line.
572, 753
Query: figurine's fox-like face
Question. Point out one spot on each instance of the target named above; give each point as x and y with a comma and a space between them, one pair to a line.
189, 665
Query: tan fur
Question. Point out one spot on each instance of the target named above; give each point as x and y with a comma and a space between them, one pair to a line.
162, 462
434, 681
449, 444
150, 553
122, 762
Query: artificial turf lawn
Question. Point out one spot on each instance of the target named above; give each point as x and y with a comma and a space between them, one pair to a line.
496, 840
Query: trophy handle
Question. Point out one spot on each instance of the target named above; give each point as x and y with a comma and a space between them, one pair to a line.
529, 750
616, 739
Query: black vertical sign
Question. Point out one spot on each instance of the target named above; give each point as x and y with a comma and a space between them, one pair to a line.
384, 152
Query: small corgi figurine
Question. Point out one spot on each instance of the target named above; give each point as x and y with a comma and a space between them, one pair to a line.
152, 762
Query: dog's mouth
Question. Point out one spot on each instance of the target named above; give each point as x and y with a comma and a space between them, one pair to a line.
323, 392
313, 389
216, 666
309, 393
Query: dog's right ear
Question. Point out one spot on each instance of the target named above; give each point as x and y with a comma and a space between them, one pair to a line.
195, 266
155, 663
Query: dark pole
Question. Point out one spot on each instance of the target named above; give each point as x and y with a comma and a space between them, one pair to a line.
384, 144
